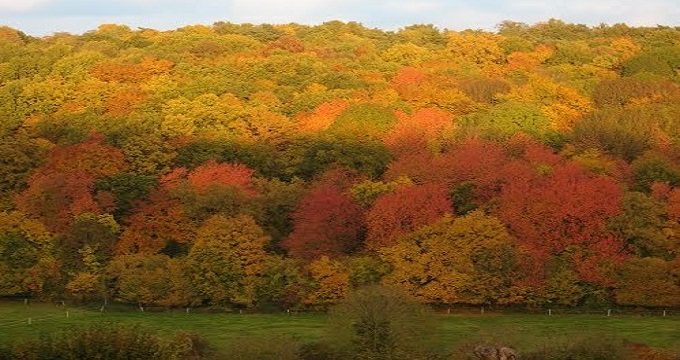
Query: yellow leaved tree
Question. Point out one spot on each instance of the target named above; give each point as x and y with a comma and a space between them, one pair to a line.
26, 255
226, 262
329, 282
465, 260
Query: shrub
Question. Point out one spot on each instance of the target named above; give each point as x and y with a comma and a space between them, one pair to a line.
320, 350
377, 322
107, 341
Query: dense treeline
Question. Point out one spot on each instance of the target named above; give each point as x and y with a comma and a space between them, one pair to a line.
241, 165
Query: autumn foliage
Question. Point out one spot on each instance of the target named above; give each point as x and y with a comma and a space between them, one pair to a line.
256, 165
564, 210
326, 223
405, 210
155, 224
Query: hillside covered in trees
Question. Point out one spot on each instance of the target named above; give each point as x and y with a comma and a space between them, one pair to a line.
250, 166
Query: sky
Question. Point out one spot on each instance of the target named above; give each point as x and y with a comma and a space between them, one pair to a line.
45, 17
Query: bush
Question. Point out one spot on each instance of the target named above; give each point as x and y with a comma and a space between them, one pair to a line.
318, 351
188, 345
377, 322
107, 341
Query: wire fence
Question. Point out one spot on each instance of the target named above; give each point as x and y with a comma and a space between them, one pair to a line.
558, 310
26, 321
26, 316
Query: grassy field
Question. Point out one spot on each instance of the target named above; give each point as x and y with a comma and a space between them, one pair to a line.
524, 331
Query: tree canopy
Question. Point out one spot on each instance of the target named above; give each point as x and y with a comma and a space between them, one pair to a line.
244, 165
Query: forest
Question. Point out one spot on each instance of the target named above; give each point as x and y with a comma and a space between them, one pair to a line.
281, 166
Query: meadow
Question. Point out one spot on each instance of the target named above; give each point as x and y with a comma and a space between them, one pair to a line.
522, 331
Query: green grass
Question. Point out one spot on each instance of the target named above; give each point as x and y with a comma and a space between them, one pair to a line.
526, 331
218, 328
523, 331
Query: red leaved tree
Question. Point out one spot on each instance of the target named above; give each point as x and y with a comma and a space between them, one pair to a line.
408, 80
63, 187
420, 132
212, 174
403, 211
474, 163
421, 167
674, 204
326, 223
57, 198
211, 188
93, 157
154, 225
478, 162
562, 210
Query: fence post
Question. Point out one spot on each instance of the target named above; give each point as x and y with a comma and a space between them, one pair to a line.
549, 312
609, 312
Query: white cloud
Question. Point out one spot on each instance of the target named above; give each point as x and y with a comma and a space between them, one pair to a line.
467, 17
21, 5
415, 6
276, 11
632, 12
